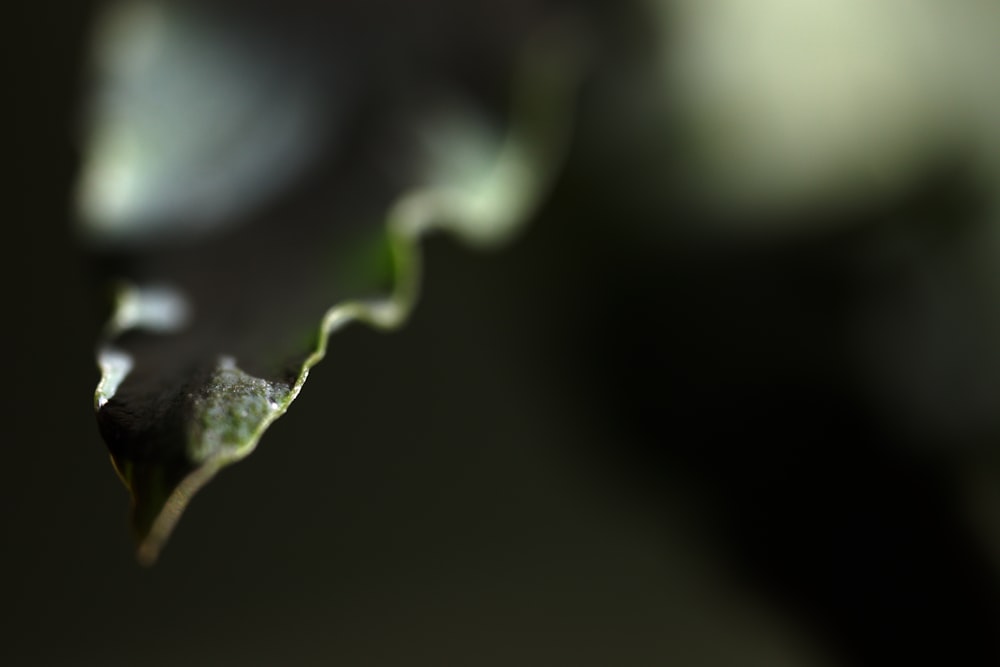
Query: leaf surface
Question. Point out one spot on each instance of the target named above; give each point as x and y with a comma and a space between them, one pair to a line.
229, 291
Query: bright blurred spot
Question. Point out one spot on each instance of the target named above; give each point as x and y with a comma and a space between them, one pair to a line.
157, 309
191, 124
785, 103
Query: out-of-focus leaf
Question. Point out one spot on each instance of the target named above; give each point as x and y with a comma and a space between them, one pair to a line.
238, 255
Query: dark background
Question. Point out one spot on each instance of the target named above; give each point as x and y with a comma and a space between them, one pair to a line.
593, 447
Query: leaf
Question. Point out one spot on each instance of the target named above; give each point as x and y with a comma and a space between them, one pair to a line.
229, 291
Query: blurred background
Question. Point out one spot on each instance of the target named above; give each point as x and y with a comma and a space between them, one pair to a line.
731, 399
